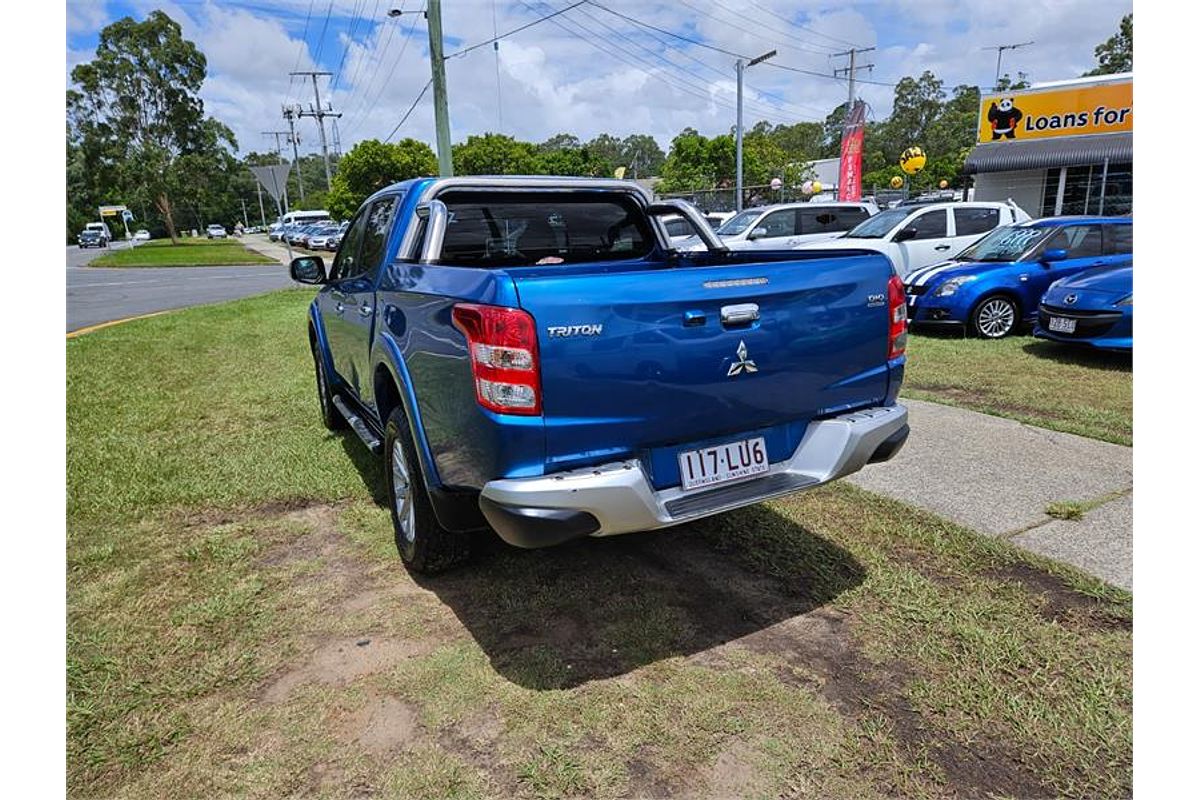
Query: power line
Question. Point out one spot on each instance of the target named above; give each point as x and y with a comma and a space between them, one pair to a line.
320, 113
337, 73
505, 35
355, 93
761, 33
358, 64
705, 45
324, 29
403, 119
364, 108
300, 52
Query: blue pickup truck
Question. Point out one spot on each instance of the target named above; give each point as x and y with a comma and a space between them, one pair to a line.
530, 355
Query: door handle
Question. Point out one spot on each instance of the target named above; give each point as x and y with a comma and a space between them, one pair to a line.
739, 314
364, 310
942, 247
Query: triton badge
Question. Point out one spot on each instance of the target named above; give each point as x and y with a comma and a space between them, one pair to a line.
743, 364
559, 331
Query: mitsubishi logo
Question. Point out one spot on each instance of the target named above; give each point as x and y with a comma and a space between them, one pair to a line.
743, 364
1070, 299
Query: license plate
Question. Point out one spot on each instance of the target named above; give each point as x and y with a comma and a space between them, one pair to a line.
1062, 325
723, 463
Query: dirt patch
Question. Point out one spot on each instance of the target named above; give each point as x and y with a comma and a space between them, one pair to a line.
818, 649
1061, 603
340, 661
733, 774
984, 398
382, 725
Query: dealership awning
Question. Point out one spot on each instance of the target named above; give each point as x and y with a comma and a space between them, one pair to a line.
1067, 151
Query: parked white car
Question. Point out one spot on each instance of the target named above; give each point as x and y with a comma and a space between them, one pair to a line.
216, 232
142, 235
786, 225
916, 236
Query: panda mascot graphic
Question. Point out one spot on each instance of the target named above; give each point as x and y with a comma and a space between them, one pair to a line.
1004, 118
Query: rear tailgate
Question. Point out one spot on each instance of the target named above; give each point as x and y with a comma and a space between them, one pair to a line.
637, 359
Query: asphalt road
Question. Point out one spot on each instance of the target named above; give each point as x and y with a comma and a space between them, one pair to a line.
103, 295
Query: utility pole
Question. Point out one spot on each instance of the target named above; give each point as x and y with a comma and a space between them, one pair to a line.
337, 140
262, 212
1000, 48
289, 114
245, 219
740, 66
320, 112
850, 70
279, 155
437, 65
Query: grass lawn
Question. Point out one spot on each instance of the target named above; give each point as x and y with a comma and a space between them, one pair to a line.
240, 625
1042, 383
188, 253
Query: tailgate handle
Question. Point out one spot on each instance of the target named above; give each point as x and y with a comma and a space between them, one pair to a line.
740, 314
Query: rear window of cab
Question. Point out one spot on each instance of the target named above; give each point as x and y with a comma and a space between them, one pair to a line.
496, 229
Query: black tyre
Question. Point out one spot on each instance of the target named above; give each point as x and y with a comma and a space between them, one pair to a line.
995, 317
424, 545
331, 418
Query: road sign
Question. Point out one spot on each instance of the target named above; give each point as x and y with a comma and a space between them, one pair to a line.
274, 179
111, 211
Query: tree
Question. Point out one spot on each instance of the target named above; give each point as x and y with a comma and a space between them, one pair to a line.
370, 166
138, 116
641, 154
493, 154
1116, 53
917, 103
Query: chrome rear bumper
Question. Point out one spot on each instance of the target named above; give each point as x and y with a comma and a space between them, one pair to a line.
618, 498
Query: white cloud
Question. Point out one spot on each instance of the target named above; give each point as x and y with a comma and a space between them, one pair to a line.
589, 71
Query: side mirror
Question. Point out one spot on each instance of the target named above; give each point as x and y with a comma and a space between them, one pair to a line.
904, 234
1053, 254
308, 269
757, 233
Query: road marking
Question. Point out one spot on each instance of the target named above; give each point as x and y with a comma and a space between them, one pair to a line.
91, 328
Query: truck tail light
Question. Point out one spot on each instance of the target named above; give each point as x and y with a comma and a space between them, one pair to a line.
897, 318
504, 357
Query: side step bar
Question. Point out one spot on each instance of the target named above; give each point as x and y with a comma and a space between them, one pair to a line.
359, 426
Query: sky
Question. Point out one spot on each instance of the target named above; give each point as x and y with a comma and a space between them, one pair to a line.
597, 67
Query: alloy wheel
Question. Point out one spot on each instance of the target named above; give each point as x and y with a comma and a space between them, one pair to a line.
996, 318
402, 497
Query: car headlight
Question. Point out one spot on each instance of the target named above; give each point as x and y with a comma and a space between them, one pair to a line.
1127, 300
951, 286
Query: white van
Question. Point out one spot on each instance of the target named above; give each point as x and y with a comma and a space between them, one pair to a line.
303, 217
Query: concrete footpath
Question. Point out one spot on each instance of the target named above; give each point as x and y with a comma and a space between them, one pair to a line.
998, 476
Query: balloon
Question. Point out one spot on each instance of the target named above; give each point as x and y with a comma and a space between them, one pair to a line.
943, 183
816, 187
912, 160
897, 181
776, 184
807, 187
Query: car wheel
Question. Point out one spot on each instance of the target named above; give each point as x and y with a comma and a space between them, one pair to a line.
331, 418
994, 317
424, 545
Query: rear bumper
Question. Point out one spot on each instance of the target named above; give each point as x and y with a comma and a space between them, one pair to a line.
618, 498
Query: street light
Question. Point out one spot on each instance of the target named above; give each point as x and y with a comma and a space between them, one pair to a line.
437, 64
741, 65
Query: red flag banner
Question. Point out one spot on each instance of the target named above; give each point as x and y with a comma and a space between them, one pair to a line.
850, 168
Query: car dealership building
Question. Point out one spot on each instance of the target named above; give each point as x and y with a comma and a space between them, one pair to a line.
1058, 148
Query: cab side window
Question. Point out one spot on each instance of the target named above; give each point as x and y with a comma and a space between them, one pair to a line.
345, 263
829, 220
1084, 241
930, 225
375, 235
972, 221
779, 223
1118, 240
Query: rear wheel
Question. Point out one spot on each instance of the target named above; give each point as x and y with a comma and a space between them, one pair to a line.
995, 317
424, 545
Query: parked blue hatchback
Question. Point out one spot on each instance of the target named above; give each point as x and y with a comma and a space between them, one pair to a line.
995, 285
1094, 307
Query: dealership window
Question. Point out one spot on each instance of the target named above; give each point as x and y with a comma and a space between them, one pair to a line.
1087, 189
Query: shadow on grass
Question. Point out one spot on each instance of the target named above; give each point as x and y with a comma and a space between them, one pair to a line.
597, 608
1080, 355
